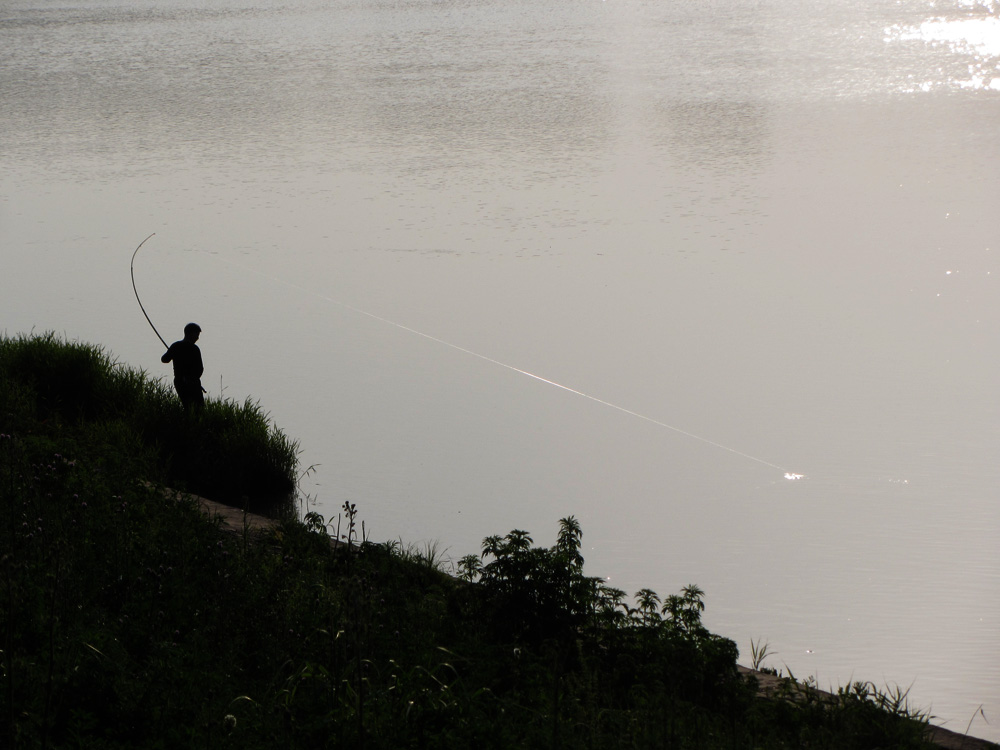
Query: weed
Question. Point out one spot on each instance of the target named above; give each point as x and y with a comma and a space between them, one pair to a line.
759, 652
428, 554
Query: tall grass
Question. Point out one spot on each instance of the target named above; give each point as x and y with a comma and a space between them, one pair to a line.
50, 387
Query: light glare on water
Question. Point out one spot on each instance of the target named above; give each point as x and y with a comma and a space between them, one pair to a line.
976, 38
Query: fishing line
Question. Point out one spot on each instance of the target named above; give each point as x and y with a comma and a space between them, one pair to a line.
132, 271
485, 358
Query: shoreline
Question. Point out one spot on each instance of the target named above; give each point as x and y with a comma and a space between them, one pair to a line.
769, 685
235, 521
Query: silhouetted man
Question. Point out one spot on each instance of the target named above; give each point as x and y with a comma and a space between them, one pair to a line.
188, 368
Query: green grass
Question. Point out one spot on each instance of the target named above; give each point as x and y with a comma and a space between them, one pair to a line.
75, 393
131, 621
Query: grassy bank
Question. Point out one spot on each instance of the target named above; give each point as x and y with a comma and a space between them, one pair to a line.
132, 621
75, 396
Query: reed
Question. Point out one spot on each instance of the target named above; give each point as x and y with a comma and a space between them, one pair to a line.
759, 653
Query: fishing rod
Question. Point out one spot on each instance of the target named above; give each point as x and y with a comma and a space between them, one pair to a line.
132, 271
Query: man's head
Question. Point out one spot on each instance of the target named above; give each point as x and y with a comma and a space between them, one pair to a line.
192, 331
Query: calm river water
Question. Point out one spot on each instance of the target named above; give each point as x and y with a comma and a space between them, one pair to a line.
496, 262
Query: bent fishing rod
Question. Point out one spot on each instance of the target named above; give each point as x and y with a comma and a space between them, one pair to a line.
132, 271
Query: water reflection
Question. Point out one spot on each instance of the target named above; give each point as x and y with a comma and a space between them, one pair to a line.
718, 134
972, 41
